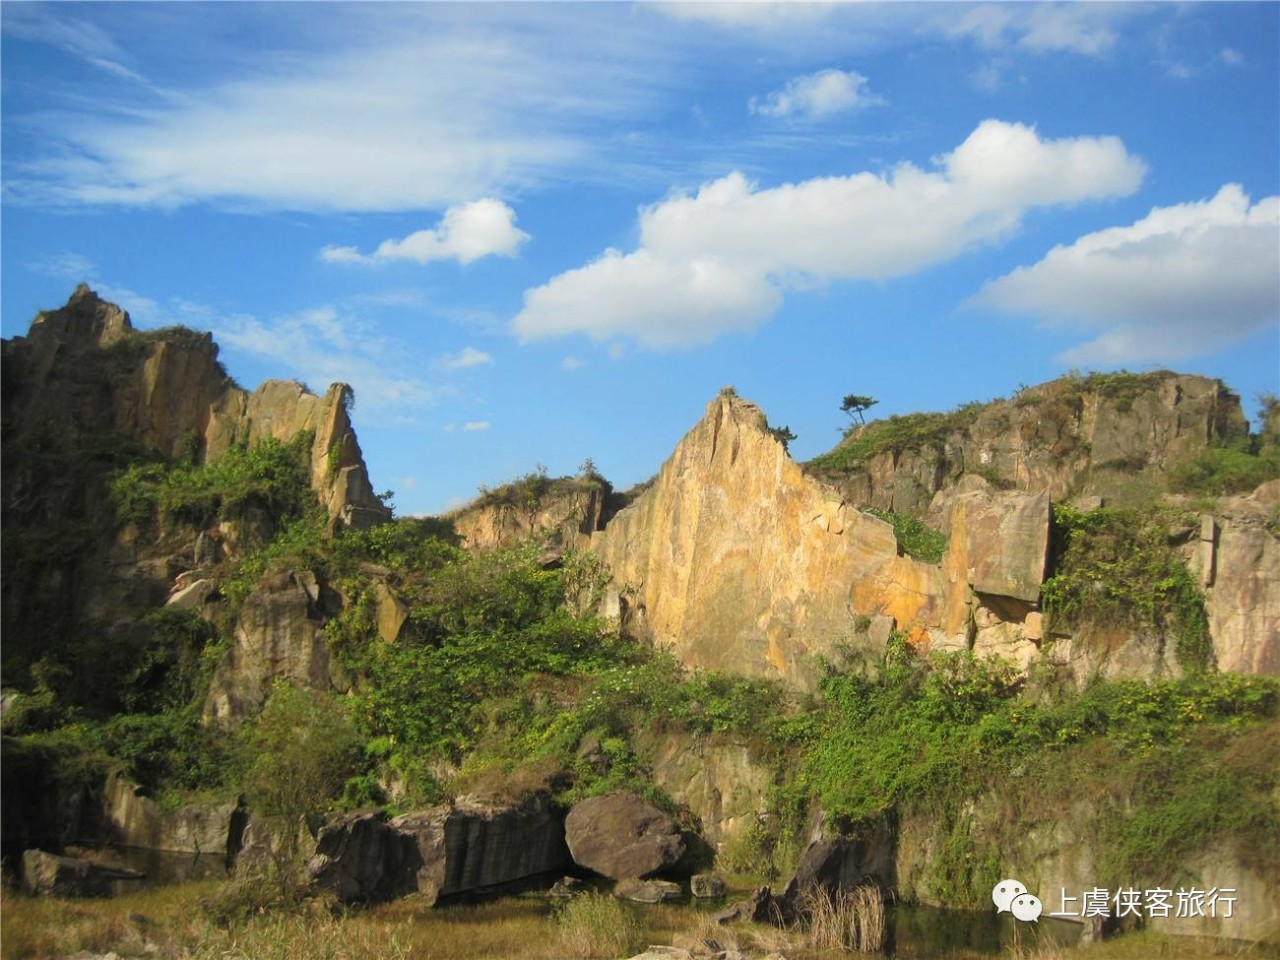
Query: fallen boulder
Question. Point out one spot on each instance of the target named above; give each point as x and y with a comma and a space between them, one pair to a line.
469, 846
621, 836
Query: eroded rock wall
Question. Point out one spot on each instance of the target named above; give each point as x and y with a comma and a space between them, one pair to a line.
1068, 437
566, 513
736, 560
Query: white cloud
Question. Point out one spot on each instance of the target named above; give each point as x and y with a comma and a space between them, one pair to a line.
476, 425
1232, 56
753, 14
1083, 28
817, 95
1184, 280
77, 37
467, 357
572, 363
368, 108
467, 232
720, 260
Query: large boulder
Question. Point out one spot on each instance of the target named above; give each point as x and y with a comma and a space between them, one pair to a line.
621, 836
359, 856
469, 846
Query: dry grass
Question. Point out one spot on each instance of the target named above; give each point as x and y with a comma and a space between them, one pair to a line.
175, 923
597, 925
847, 920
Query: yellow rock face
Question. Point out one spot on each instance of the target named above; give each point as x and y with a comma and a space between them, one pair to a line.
735, 560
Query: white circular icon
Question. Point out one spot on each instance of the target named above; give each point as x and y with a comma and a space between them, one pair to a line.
1025, 906
1003, 893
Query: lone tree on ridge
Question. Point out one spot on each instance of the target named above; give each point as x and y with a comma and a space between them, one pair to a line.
856, 405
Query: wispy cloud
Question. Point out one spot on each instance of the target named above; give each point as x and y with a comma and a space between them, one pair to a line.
467, 232
474, 425
83, 40
816, 96
1090, 29
415, 109
721, 260
750, 14
1184, 280
467, 357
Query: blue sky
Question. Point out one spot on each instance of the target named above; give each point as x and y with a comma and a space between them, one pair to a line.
535, 233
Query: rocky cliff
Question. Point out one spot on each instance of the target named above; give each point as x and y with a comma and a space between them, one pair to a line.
564, 511
1101, 434
165, 391
85, 396
736, 559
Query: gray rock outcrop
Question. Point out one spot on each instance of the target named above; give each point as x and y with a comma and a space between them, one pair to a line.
134, 820
469, 846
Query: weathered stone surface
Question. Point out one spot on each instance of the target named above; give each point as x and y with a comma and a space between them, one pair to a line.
738, 561
663, 953
1062, 438
192, 596
760, 907
134, 820
359, 856
718, 780
1242, 567
279, 634
621, 836
466, 847
1000, 540
648, 891
567, 512
488, 844
258, 842
1052, 853
842, 864
45, 874
707, 886
390, 612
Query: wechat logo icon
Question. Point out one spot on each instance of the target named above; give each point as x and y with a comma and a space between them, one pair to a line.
1010, 896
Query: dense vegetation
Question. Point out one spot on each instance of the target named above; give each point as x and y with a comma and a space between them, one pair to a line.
501, 680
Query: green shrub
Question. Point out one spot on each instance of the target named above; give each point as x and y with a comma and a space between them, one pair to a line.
271, 475
899, 433
915, 539
1119, 567
1219, 471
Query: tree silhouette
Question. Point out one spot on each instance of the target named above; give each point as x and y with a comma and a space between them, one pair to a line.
855, 405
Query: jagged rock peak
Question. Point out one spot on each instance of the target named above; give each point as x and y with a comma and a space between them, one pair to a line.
85, 317
727, 404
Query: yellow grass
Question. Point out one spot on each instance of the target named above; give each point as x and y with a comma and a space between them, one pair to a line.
173, 920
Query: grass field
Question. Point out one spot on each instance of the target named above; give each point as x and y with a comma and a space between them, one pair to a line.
173, 922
